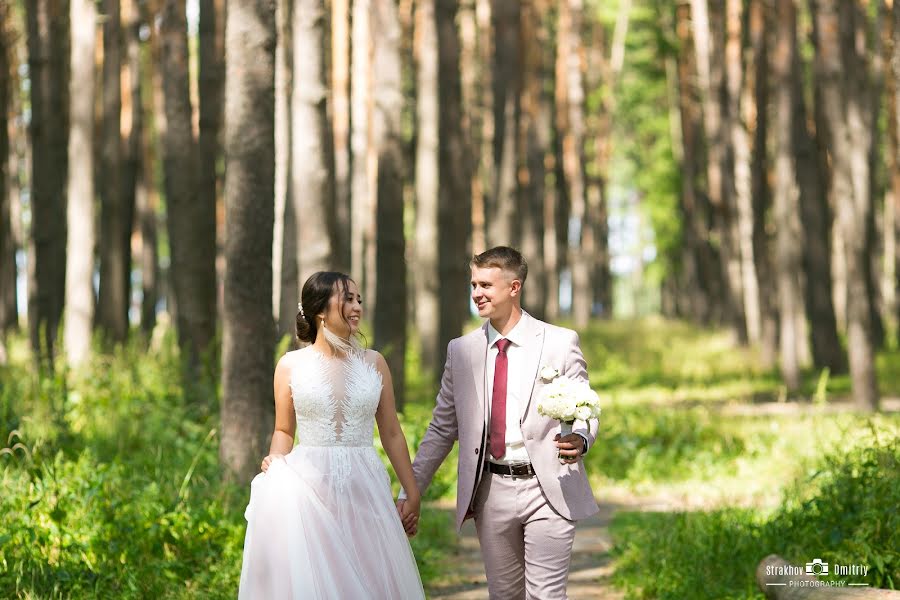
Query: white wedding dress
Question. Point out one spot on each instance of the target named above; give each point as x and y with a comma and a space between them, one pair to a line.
322, 524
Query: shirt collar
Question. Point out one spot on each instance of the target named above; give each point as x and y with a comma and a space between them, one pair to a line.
516, 336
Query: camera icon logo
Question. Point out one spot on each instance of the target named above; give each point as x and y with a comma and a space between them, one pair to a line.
817, 567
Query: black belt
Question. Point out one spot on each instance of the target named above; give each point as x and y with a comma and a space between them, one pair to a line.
525, 470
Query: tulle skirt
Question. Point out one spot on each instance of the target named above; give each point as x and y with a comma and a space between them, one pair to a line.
322, 524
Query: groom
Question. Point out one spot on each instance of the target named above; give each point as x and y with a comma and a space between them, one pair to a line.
524, 498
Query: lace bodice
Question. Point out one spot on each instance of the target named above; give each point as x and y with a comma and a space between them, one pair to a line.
335, 399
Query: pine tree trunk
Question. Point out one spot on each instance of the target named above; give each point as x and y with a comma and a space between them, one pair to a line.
759, 22
455, 200
248, 332
787, 213
48, 35
340, 85
362, 213
191, 223
146, 192
8, 307
285, 287
895, 170
390, 318
311, 139
843, 76
743, 201
500, 210
428, 183
699, 280
114, 236
483, 180
80, 250
210, 81
535, 145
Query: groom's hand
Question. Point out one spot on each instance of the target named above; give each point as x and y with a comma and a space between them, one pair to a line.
571, 447
409, 516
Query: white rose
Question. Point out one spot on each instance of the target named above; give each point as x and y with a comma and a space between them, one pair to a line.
583, 413
549, 373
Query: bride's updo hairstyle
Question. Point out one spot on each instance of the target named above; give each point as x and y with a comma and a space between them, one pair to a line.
314, 297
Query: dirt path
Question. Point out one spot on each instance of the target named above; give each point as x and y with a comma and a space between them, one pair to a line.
588, 578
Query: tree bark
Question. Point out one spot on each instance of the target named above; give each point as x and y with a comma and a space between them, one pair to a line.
500, 211
80, 242
115, 231
787, 213
210, 81
8, 306
48, 42
455, 200
535, 144
248, 333
390, 318
147, 190
340, 85
362, 213
894, 134
311, 139
743, 200
191, 223
843, 73
428, 183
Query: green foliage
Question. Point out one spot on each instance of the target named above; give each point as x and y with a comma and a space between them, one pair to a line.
844, 513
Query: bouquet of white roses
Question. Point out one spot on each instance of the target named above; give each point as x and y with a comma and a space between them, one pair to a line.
566, 400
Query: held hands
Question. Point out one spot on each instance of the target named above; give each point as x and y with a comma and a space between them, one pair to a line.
571, 447
267, 461
409, 509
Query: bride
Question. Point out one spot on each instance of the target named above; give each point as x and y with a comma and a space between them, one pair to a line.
321, 522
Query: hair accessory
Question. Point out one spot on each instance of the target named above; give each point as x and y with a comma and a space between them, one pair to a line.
300, 308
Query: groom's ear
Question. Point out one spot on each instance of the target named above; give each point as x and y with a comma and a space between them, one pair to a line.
516, 287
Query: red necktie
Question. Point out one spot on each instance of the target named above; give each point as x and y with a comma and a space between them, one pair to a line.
498, 401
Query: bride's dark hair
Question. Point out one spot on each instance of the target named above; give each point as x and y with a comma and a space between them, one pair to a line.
314, 297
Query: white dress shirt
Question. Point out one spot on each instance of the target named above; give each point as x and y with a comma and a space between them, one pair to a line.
515, 388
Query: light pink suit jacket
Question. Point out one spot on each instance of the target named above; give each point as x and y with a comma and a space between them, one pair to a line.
461, 413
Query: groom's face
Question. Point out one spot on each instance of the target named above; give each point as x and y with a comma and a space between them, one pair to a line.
494, 291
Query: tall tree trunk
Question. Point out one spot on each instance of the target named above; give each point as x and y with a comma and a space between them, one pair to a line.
362, 213
147, 189
708, 25
390, 318
340, 85
787, 214
816, 218
699, 279
210, 81
843, 74
535, 144
133, 181
8, 307
743, 200
759, 21
80, 242
311, 139
248, 333
455, 200
894, 134
48, 42
115, 234
500, 213
191, 223
285, 287
428, 183
571, 55
483, 125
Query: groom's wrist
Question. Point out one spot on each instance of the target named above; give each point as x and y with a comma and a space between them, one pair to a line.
585, 442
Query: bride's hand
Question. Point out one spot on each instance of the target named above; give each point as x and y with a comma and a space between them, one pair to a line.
409, 514
267, 461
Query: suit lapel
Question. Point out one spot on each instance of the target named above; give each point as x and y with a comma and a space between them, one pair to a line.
477, 354
534, 346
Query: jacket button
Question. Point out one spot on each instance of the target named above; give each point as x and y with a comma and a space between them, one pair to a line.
476, 450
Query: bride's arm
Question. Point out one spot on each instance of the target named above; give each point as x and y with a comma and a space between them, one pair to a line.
285, 419
394, 443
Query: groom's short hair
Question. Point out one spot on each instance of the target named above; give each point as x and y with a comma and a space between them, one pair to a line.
503, 257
